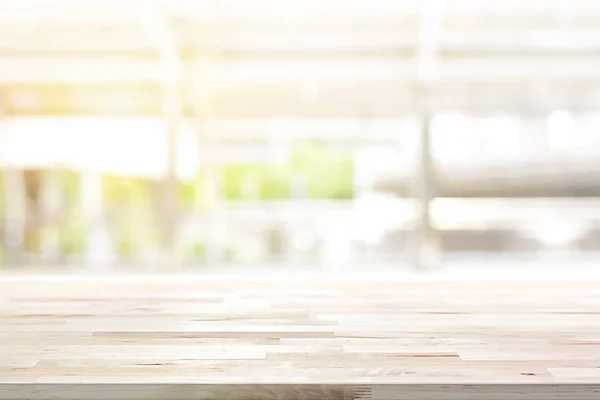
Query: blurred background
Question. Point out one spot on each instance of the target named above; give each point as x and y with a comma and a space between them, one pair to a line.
314, 134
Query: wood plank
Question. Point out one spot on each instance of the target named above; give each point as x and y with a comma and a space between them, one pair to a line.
286, 339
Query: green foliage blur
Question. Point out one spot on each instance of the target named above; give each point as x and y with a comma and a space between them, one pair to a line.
313, 171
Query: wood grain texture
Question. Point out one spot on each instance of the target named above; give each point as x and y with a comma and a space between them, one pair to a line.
281, 338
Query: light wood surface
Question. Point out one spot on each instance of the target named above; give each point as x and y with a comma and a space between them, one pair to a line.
231, 337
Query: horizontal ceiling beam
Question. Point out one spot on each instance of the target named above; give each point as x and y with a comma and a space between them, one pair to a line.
122, 69
267, 8
367, 98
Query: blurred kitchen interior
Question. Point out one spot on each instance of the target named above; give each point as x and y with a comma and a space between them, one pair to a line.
221, 134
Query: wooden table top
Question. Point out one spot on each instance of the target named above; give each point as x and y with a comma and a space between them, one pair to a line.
174, 338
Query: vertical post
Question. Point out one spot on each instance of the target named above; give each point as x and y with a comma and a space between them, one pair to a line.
33, 179
170, 79
51, 200
99, 247
427, 249
207, 141
15, 214
217, 228
171, 110
427, 241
